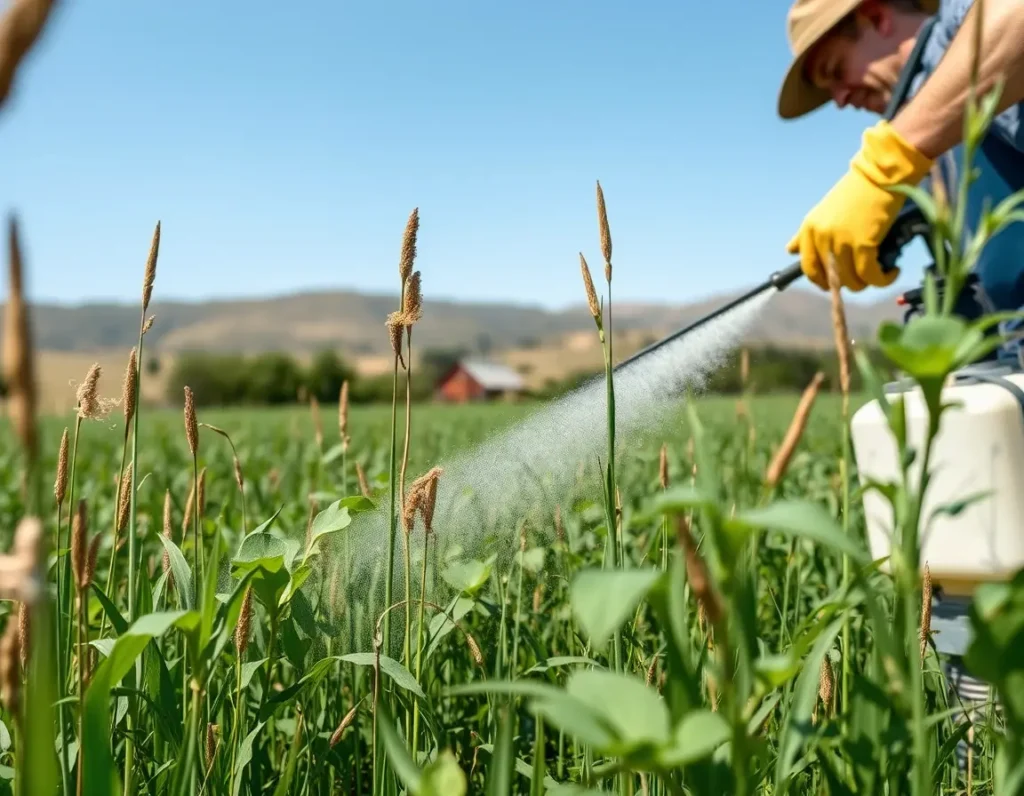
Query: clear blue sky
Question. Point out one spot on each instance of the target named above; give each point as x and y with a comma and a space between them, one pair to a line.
283, 147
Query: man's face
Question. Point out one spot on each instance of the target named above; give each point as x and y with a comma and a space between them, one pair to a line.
859, 70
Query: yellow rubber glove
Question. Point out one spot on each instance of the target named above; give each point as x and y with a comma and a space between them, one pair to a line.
855, 216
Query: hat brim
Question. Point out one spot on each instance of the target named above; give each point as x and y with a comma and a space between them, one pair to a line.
798, 95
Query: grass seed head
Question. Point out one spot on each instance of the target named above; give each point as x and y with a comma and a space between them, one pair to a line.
190, 505
395, 324
588, 284
150, 277
343, 414
90, 407
191, 427
839, 329
148, 324
364, 485
663, 466
24, 632
698, 575
20, 28
244, 621
10, 677
18, 361
202, 494
211, 743
926, 609
408, 256
412, 304
474, 649
606, 235
345, 722
778, 465
826, 683
60, 485
124, 498
128, 396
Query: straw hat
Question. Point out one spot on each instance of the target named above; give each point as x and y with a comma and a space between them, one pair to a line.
808, 21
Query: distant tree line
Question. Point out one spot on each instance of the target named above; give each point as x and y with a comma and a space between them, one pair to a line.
278, 378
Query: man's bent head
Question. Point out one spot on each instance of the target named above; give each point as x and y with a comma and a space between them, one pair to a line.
848, 51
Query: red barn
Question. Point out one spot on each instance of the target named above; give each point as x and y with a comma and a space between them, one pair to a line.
478, 381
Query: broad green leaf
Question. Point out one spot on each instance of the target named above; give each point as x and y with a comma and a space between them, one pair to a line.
443, 777
696, 737
580, 721
244, 757
602, 599
804, 519
392, 668
637, 713
182, 573
467, 577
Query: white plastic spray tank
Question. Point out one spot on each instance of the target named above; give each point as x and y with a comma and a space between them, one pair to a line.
977, 457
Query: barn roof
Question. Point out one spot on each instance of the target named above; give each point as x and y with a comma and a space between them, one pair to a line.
493, 375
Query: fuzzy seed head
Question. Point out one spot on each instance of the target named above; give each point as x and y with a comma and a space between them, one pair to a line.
238, 475
128, 391
395, 324
474, 650
124, 498
191, 427
795, 431
926, 609
202, 493
408, 255
839, 330
18, 360
588, 284
244, 621
148, 324
697, 573
606, 235
150, 277
663, 466
60, 486
190, 505
412, 305
24, 632
343, 414
89, 406
826, 682
211, 743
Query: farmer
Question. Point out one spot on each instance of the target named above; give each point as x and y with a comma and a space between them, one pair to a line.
854, 52
859, 53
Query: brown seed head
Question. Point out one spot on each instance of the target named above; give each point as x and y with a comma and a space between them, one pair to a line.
128, 395
24, 632
89, 405
238, 475
148, 324
474, 650
697, 573
408, 255
343, 414
202, 493
826, 682
650, 671
744, 366
190, 506
18, 364
60, 486
90, 561
412, 305
244, 621
396, 324
606, 235
124, 498
663, 466
345, 722
211, 743
150, 277
364, 485
839, 331
191, 428
20, 28
778, 465
588, 284
10, 677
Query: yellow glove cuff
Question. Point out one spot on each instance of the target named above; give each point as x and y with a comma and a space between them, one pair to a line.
886, 158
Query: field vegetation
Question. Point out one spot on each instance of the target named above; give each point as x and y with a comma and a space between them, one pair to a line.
181, 614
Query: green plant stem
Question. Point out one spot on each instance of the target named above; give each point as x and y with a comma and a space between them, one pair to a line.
112, 564
419, 648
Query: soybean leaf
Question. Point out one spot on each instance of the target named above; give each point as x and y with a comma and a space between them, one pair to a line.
636, 713
697, 736
603, 599
443, 777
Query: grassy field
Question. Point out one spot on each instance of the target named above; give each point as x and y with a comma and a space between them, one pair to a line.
277, 694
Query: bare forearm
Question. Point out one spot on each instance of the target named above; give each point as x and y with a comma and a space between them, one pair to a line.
933, 120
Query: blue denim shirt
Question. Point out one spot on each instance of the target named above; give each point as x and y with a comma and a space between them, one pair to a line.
1000, 163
